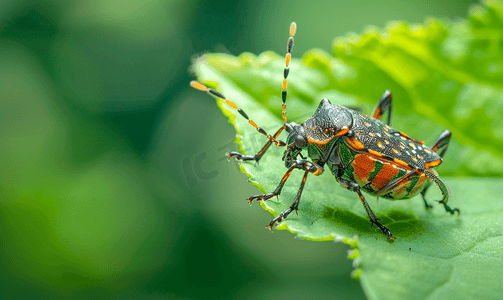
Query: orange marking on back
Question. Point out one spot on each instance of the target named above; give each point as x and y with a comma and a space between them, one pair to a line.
287, 59
363, 164
384, 176
318, 142
354, 143
400, 162
198, 86
432, 164
252, 123
406, 136
284, 85
231, 104
342, 132
375, 153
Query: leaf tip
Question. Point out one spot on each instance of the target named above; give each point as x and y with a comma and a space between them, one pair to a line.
356, 274
353, 254
348, 241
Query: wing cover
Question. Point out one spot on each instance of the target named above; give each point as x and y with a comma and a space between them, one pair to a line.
391, 143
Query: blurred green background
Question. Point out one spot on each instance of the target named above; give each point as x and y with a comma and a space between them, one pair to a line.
114, 183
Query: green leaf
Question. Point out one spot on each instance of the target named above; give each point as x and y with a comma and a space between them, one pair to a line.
443, 75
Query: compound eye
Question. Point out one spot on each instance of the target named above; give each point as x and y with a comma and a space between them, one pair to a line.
299, 141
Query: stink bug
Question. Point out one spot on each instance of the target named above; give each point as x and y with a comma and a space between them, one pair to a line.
363, 153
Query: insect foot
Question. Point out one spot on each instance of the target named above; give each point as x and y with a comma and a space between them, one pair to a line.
262, 197
449, 209
240, 156
384, 229
279, 218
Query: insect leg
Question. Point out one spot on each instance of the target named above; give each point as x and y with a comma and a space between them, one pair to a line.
308, 167
298, 164
383, 105
294, 206
439, 146
257, 156
354, 187
373, 218
217, 94
446, 194
278, 189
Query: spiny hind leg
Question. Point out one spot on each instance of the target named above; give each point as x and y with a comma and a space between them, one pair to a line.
439, 146
446, 194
